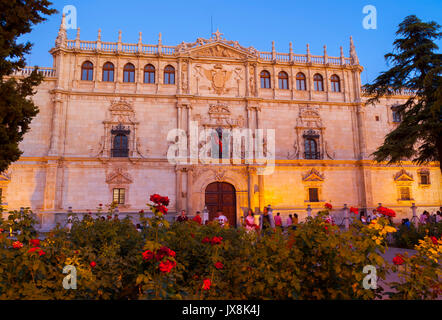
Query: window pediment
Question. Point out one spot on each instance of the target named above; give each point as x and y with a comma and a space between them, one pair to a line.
313, 176
403, 176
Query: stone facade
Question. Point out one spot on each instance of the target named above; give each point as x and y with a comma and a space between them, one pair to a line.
68, 162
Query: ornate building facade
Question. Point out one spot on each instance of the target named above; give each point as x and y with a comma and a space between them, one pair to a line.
106, 110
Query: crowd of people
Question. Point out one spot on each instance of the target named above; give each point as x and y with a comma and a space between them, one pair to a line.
266, 221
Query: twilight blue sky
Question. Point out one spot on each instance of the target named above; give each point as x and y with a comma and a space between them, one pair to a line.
253, 23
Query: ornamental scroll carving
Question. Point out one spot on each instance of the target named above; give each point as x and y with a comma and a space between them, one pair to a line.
121, 113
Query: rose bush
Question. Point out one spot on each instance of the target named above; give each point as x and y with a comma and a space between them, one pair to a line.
192, 261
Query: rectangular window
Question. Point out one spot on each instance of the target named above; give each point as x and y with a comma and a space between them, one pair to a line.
396, 115
405, 193
313, 195
119, 195
425, 178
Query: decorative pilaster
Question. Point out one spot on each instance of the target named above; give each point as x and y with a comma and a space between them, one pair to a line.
56, 130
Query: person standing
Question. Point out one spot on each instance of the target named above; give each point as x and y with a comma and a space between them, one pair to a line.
265, 220
278, 221
221, 218
295, 221
289, 221
197, 218
183, 217
257, 221
249, 221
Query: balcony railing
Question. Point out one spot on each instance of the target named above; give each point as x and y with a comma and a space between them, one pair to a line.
171, 50
26, 71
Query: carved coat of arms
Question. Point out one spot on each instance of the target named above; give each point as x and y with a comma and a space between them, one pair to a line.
218, 77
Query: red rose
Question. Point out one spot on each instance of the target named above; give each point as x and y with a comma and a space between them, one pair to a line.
17, 245
172, 253
34, 242
206, 240
41, 253
354, 210
219, 265
1, 230
155, 198
100, 204
328, 206
76, 251
165, 201
192, 235
434, 239
141, 211
167, 266
398, 260
33, 249
206, 284
109, 217
93, 264
147, 255
216, 240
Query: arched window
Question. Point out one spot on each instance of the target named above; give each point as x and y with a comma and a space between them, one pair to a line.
87, 71
283, 80
335, 83
265, 79
108, 72
300, 81
169, 75
311, 151
129, 73
149, 74
318, 82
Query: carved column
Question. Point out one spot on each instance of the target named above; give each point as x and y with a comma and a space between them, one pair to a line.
179, 185
50, 185
189, 190
250, 189
261, 192
57, 117
178, 76
247, 79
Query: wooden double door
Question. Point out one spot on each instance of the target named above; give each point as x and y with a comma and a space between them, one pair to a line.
221, 196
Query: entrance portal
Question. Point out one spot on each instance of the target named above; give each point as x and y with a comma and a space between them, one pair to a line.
221, 196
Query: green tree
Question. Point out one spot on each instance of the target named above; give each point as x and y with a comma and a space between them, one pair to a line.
16, 106
415, 66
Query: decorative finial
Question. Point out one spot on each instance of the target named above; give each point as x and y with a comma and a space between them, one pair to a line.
217, 35
63, 22
325, 49
308, 48
78, 34
99, 35
342, 51
139, 37
160, 38
60, 41
353, 55
119, 35
290, 46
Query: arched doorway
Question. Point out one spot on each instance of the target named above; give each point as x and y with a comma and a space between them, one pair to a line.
221, 196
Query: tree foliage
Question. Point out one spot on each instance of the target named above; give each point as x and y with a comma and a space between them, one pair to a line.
415, 66
17, 17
